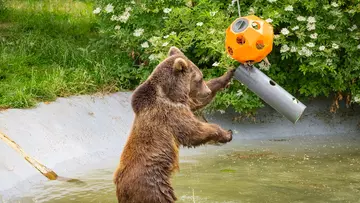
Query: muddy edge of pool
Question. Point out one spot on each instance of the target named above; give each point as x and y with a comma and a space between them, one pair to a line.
72, 135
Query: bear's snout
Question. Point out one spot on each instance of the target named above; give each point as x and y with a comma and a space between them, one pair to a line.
207, 91
204, 94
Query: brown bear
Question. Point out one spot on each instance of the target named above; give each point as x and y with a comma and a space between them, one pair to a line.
163, 122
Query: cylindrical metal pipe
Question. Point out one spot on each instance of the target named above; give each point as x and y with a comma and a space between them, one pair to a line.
272, 93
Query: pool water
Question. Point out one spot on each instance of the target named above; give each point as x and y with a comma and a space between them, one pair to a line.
299, 169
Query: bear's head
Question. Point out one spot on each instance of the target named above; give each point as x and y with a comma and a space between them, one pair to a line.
179, 78
176, 79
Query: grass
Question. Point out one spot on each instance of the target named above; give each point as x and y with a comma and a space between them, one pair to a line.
51, 48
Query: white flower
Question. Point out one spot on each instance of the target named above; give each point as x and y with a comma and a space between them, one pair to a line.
357, 98
314, 36
117, 27
271, 1
154, 40
269, 20
305, 51
334, 4
109, 8
326, 7
310, 26
328, 62
289, 8
310, 44
311, 19
308, 53
124, 17
239, 93
285, 31
113, 18
166, 36
97, 10
152, 57
276, 36
295, 28
335, 46
216, 64
293, 49
127, 9
331, 27
284, 48
165, 44
336, 13
354, 27
358, 46
161, 56
221, 111
172, 33
145, 45
132, 2
167, 10
262, 66
321, 48
251, 11
301, 18
138, 32
199, 24
213, 13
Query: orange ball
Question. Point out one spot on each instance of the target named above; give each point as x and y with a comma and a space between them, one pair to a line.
249, 39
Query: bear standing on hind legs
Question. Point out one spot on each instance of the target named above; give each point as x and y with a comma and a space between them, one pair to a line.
163, 121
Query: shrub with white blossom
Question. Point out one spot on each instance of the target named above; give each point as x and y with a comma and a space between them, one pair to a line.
316, 45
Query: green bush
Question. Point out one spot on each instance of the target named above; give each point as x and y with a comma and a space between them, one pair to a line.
2, 7
316, 52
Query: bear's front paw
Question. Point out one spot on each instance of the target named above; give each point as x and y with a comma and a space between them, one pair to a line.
228, 76
231, 72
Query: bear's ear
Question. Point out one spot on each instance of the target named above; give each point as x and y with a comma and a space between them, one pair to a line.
180, 64
174, 50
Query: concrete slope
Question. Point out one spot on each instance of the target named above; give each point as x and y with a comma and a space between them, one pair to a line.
67, 129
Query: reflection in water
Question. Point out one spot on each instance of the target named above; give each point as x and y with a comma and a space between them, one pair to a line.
306, 169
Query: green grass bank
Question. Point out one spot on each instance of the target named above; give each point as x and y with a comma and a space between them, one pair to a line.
51, 49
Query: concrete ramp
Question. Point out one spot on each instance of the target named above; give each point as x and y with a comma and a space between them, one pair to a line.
81, 130
76, 134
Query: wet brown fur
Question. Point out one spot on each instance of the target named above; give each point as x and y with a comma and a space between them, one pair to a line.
163, 121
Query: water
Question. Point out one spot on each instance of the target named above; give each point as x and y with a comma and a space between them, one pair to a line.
301, 169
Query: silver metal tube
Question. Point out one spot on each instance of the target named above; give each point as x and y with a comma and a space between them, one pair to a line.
272, 93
